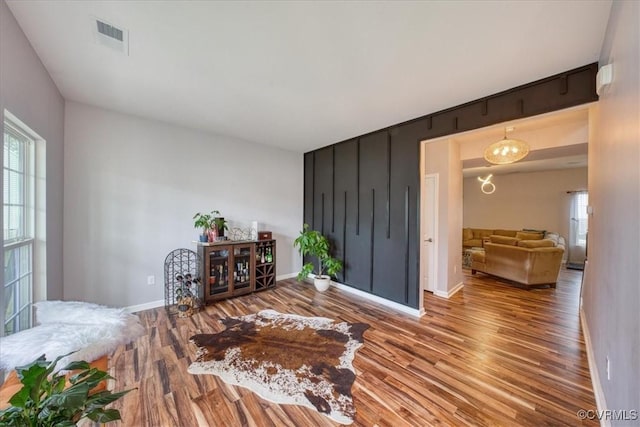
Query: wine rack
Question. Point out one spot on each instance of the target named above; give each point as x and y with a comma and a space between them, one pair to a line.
265, 264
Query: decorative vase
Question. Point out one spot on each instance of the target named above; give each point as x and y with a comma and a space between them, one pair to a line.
204, 238
322, 283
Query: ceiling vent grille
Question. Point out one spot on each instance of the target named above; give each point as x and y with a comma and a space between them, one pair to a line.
109, 35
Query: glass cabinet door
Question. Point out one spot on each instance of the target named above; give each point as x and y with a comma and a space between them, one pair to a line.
218, 264
242, 268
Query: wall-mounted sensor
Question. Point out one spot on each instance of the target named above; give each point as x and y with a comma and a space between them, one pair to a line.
604, 78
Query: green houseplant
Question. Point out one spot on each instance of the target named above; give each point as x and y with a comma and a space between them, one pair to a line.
44, 401
313, 243
219, 223
202, 221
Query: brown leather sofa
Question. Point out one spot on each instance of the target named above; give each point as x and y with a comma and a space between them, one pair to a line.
528, 262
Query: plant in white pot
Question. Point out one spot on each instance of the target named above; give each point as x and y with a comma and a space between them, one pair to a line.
311, 242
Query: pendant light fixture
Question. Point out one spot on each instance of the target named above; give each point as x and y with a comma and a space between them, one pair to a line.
506, 150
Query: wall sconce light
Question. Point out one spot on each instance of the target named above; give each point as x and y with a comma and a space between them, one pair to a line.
487, 186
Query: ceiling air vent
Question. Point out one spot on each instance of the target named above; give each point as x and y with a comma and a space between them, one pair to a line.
110, 35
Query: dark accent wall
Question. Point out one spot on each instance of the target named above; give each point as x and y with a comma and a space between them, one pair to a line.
364, 193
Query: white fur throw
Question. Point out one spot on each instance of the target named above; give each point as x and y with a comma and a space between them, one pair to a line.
91, 330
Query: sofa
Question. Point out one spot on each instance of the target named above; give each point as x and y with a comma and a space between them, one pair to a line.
473, 237
528, 259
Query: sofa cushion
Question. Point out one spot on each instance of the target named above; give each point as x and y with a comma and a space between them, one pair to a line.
509, 233
526, 235
467, 234
542, 243
477, 256
504, 240
479, 233
473, 243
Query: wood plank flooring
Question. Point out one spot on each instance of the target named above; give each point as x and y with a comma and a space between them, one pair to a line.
492, 355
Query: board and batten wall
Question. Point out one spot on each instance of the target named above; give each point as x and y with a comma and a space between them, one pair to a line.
536, 200
28, 92
364, 193
132, 186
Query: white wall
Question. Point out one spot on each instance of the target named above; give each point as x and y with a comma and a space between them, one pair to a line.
29, 93
133, 185
455, 217
612, 281
442, 157
536, 200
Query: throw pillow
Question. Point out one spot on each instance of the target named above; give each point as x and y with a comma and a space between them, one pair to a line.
525, 235
504, 240
553, 237
542, 243
533, 230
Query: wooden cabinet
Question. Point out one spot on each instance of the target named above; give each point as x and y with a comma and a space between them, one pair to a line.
235, 268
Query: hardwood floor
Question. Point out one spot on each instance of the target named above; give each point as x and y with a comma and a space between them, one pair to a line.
491, 355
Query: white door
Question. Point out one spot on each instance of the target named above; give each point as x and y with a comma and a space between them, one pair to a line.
429, 234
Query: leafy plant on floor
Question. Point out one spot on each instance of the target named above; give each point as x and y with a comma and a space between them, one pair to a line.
44, 401
311, 242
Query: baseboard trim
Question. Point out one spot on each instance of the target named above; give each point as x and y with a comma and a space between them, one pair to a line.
450, 293
145, 306
286, 276
595, 378
379, 300
374, 298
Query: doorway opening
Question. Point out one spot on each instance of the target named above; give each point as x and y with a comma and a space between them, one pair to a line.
558, 141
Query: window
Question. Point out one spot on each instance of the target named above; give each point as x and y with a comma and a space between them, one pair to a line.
581, 202
19, 213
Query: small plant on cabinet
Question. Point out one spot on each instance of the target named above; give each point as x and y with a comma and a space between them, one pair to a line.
218, 222
202, 221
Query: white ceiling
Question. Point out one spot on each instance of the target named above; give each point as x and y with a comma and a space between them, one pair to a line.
301, 75
557, 140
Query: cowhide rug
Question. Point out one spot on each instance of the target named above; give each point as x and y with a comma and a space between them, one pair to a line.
286, 358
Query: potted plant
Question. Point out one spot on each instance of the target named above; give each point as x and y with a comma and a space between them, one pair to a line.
44, 401
202, 221
311, 242
219, 223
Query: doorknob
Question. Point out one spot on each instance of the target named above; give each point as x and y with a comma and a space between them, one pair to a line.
429, 240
